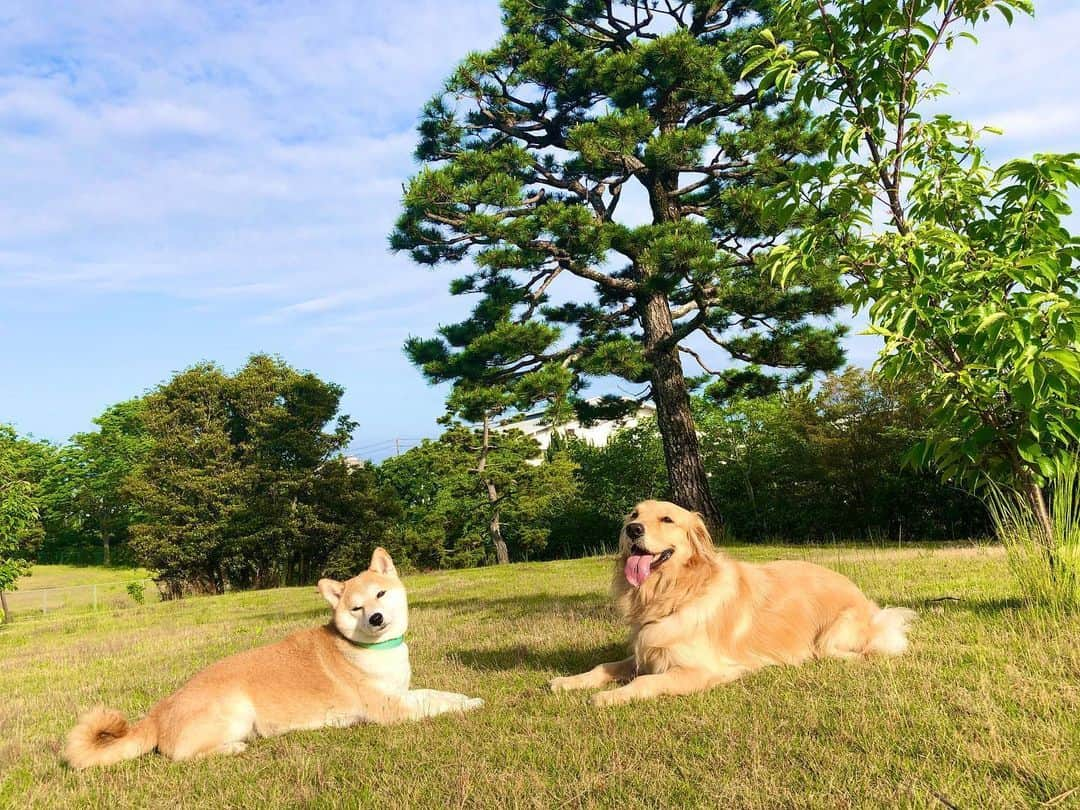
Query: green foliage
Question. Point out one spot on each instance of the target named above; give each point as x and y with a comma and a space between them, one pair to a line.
832, 464
137, 592
611, 479
1051, 576
20, 529
530, 151
82, 495
447, 506
972, 279
345, 512
798, 465
240, 486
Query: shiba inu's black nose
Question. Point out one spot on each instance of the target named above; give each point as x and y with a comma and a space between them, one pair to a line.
375, 619
635, 530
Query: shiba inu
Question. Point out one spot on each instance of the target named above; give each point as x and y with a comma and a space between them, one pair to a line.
353, 670
698, 618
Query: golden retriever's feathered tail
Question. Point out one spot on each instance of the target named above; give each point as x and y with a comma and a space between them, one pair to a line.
103, 737
888, 631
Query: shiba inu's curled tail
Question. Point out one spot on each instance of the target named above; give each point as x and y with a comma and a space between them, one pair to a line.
888, 631
103, 737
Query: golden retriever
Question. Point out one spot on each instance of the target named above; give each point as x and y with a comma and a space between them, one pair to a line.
699, 618
353, 670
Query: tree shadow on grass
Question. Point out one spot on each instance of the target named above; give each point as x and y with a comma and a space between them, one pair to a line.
981, 607
561, 660
1041, 788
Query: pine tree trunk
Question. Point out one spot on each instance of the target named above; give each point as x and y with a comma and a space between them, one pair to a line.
682, 451
4, 619
502, 553
106, 556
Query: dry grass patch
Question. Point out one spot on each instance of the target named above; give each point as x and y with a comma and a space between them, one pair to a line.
985, 711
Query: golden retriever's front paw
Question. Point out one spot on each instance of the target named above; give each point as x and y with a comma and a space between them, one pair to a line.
613, 697
565, 684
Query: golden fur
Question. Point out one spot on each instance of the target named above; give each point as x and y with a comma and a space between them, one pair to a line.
313, 678
701, 619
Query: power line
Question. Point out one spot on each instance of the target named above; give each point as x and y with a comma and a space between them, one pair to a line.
398, 443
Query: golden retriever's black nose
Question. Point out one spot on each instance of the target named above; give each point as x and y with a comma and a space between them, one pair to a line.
376, 619
635, 530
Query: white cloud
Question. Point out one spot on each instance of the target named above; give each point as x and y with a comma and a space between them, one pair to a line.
183, 148
1020, 78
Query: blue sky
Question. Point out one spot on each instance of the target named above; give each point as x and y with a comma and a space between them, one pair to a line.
202, 180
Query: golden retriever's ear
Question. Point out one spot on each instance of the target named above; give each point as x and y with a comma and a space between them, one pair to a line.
700, 538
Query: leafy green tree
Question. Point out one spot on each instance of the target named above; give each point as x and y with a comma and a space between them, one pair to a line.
611, 479
534, 151
191, 485
496, 367
83, 493
240, 487
443, 522
346, 512
831, 463
800, 465
18, 513
277, 427
972, 277
448, 502
762, 464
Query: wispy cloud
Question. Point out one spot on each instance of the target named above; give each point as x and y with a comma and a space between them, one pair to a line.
170, 147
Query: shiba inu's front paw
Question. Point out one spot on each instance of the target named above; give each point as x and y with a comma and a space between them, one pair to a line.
431, 702
471, 703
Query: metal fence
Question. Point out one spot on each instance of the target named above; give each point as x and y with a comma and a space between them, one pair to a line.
30, 602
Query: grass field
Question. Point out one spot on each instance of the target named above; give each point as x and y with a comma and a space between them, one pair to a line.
984, 711
67, 588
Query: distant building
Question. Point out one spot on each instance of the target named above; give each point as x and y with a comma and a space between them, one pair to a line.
598, 433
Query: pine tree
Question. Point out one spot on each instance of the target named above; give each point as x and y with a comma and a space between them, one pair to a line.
534, 151
498, 366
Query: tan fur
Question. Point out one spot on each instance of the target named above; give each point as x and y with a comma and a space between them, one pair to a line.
313, 678
702, 619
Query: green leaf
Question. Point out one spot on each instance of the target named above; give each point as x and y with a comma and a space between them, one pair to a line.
989, 321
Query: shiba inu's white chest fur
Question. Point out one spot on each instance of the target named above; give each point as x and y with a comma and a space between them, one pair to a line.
389, 668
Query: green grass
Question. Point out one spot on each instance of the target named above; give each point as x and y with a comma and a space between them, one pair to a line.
983, 712
71, 588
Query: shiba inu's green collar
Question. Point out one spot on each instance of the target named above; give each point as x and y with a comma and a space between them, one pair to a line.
387, 644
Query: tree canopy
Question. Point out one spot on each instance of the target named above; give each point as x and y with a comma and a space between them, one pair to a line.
19, 507
242, 487
971, 275
621, 145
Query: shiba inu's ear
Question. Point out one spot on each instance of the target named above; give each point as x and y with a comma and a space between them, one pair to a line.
381, 563
331, 590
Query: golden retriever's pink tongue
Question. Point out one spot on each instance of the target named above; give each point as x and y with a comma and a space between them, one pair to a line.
637, 569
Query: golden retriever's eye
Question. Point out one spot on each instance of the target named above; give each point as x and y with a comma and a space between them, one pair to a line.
380, 594
358, 607
666, 519
633, 515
